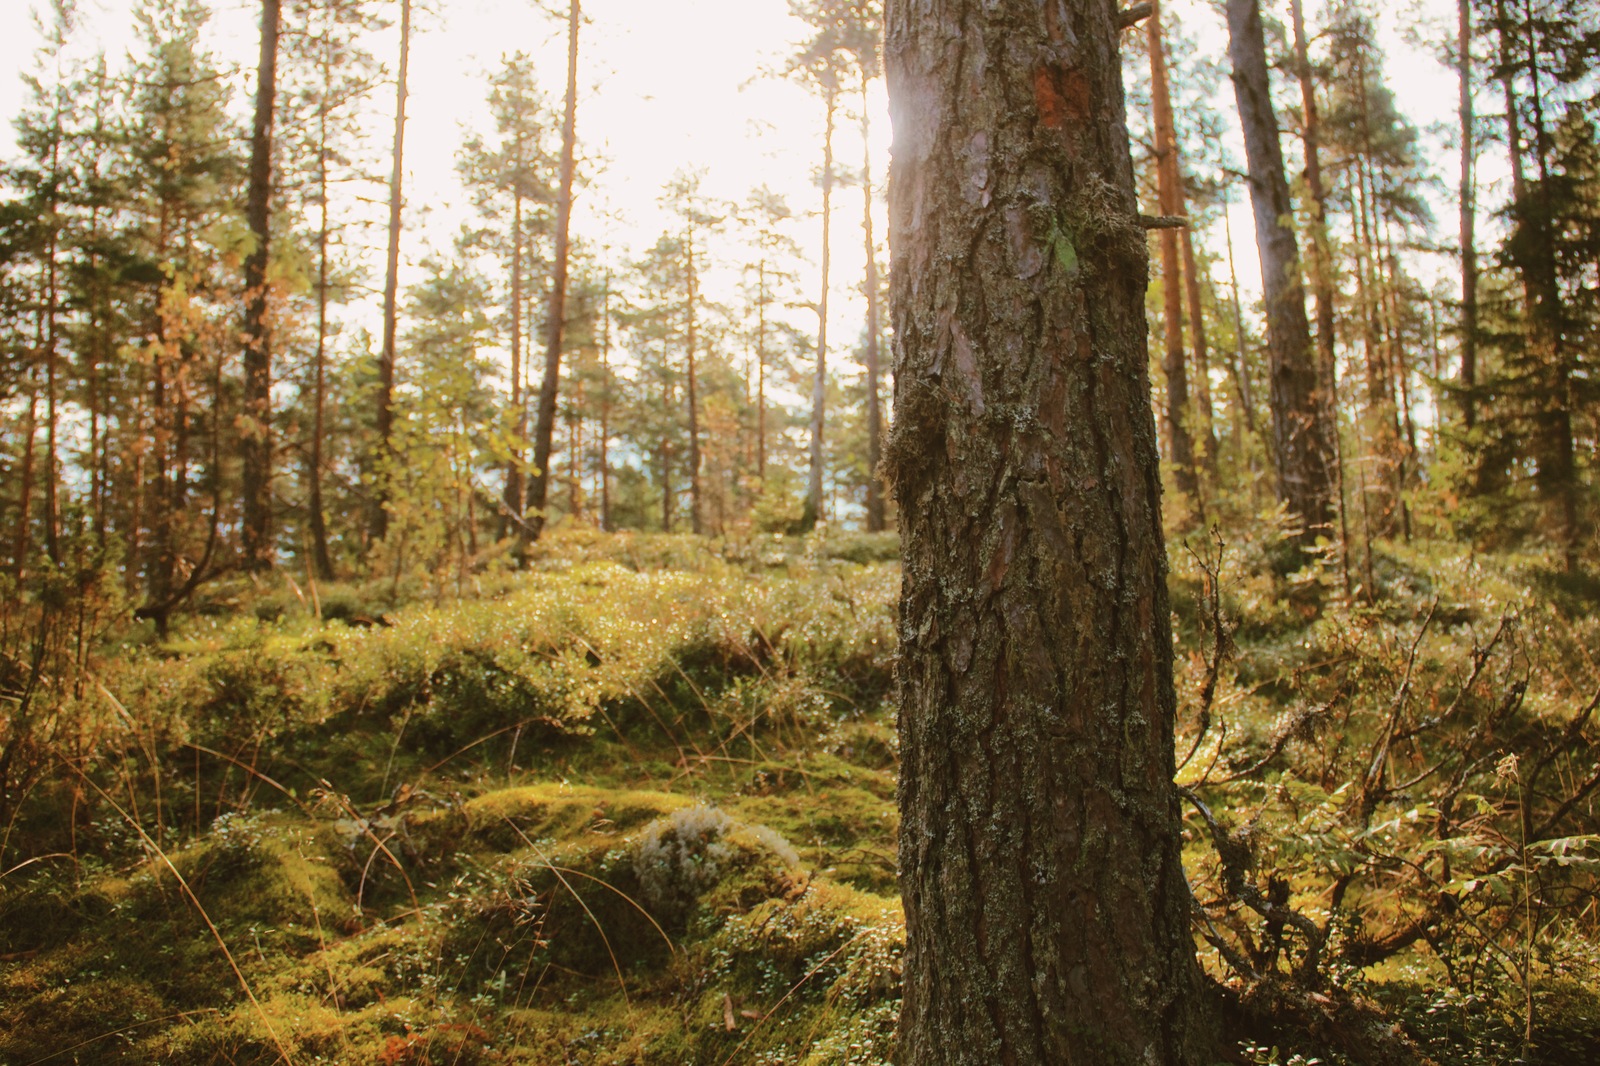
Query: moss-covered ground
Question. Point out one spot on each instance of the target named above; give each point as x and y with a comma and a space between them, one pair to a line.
636, 805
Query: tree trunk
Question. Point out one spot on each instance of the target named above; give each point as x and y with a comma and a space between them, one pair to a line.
1469, 220
1321, 259
513, 494
691, 340
1241, 364
1197, 341
1176, 419
316, 517
257, 421
605, 407
811, 514
875, 508
1302, 435
1383, 414
1047, 918
555, 325
378, 520
22, 532
761, 374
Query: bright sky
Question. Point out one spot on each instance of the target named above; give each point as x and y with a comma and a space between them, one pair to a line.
664, 86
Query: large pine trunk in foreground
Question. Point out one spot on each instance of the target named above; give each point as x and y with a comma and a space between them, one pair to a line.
1046, 911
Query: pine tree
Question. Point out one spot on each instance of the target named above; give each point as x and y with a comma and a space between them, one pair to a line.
183, 178
1546, 52
1303, 449
327, 79
555, 316
1039, 848
514, 177
381, 461
256, 421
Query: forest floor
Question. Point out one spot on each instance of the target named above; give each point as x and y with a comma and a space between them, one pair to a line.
637, 805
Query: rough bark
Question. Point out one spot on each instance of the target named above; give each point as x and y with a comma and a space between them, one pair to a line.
257, 422
378, 519
555, 322
1046, 911
1302, 435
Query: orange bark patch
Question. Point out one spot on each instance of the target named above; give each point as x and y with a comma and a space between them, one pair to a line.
1046, 98
1060, 96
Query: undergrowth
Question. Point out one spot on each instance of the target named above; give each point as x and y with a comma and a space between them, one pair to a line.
637, 805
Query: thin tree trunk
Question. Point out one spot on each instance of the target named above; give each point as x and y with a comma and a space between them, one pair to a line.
257, 422
513, 495
761, 373
1322, 272
1383, 416
1241, 363
1469, 217
1302, 438
875, 508
605, 407
1169, 196
316, 517
555, 324
1198, 345
22, 532
1557, 469
1047, 919
52, 391
690, 343
378, 520
812, 512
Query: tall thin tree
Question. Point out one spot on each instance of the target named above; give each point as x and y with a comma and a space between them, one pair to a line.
1302, 431
555, 319
256, 444
383, 415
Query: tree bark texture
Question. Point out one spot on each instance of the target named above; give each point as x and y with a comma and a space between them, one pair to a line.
1302, 435
556, 319
257, 433
1046, 910
378, 520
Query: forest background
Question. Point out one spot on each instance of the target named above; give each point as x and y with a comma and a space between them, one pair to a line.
235, 437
